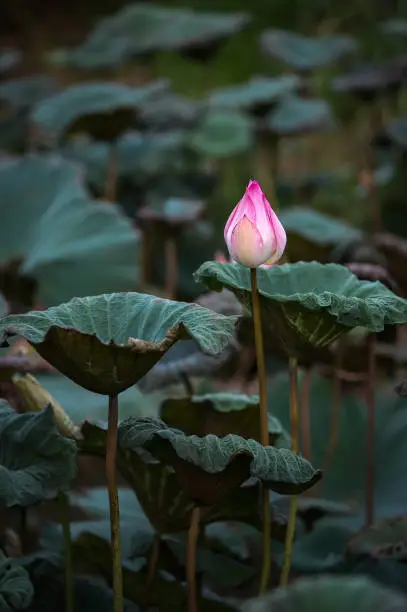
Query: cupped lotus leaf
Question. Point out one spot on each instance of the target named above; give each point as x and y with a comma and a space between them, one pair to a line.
25, 92
16, 589
9, 59
369, 79
104, 110
173, 213
107, 343
259, 93
219, 414
396, 130
294, 115
333, 593
394, 27
386, 539
309, 304
312, 235
210, 468
68, 244
222, 134
305, 52
36, 460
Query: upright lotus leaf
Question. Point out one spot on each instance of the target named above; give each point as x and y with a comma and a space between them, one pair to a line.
104, 110
172, 214
294, 115
58, 239
36, 461
26, 92
369, 80
106, 343
309, 304
9, 59
258, 95
219, 414
333, 593
222, 133
306, 53
210, 468
16, 589
312, 235
386, 539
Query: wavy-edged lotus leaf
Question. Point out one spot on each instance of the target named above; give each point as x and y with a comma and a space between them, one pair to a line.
210, 468
305, 52
312, 235
159, 493
368, 80
36, 460
333, 593
294, 115
16, 589
25, 92
69, 245
309, 304
386, 539
257, 95
394, 27
219, 414
172, 213
106, 343
103, 110
222, 133
9, 59
396, 131
170, 111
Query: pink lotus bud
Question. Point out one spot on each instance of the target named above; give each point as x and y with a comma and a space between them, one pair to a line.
253, 233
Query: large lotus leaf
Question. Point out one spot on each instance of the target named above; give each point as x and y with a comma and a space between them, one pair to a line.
16, 590
309, 304
70, 245
25, 92
219, 414
9, 59
386, 539
107, 343
222, 134
104, 110
333, 593
295, 115
36, 460
312, 235
303, 52
210, 468
259, 93
368, 79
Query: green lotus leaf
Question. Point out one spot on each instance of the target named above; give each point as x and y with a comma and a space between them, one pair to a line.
209, 468
312, 235
172, 213
386, 539
259, 93
222, 134
369, 79
25, 92
104, 110
309, 304
16, 589
304, 52
219, 414
396, 26
170, 111
59, 239
333, 593
396, 130
9, 59
107, 343
295, 115
36, 460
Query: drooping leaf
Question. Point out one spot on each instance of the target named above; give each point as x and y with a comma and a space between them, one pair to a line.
308, 303
36, 461
304, 52
16, 589
257, 95
107, 343
67, 244
210, 468
104, 110
222, 133
219, 414
333, 593
295, 115
386, 539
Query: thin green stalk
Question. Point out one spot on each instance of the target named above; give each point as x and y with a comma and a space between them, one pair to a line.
305, 415
111, 452
295, 436
264, 432
193, 534
64, 518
